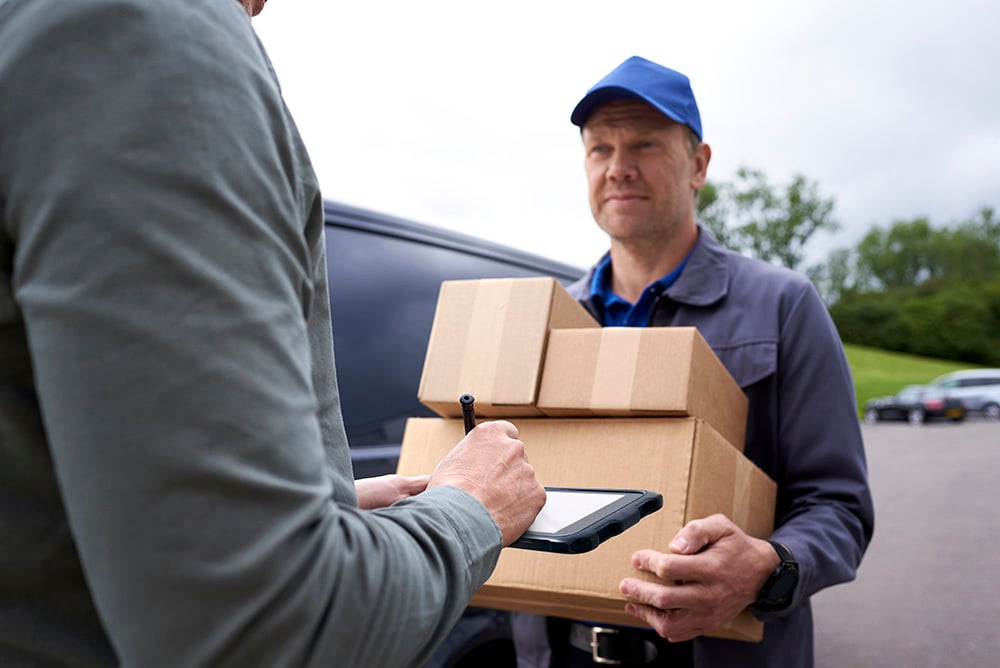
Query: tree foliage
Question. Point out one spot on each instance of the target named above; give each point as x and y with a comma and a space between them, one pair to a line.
911, 286
752, 216
898, 257
913, 252
926, 290
713, 213
835, 276
958, 322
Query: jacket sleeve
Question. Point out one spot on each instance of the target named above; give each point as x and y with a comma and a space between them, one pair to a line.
156, 199
825, 513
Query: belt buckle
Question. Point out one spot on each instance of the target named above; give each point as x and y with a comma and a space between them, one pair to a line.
595, 646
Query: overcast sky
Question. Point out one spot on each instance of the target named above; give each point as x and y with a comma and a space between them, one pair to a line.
457, 113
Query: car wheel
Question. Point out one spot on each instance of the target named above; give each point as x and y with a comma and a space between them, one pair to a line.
992, 411
871, 416
915, 416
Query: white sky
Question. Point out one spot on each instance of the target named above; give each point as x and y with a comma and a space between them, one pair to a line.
457, 114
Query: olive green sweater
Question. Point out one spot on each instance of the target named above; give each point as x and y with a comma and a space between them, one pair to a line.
175, 483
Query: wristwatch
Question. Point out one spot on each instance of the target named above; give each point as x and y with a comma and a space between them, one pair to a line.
776, 594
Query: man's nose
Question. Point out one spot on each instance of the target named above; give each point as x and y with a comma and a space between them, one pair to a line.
621, 167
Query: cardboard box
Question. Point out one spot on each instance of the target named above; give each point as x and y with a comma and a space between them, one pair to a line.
684, 459
489, 338
641, 371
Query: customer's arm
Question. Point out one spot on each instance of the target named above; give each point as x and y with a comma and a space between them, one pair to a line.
149, 170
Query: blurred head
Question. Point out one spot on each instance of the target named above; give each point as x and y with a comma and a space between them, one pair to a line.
252, 7
644, 157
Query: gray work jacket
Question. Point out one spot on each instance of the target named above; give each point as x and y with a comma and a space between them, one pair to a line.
775, 336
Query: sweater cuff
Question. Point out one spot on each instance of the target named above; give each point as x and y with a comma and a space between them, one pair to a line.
475, 528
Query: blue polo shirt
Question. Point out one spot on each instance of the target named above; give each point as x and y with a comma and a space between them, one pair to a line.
619, 312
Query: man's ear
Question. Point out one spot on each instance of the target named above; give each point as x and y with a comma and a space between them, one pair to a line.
699, 170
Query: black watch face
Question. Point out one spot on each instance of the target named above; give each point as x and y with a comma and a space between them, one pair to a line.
778, 590
782, 588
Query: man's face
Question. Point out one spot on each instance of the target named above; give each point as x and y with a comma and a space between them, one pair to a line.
253, 7
641, 171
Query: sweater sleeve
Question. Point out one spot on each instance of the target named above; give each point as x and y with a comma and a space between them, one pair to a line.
166, 234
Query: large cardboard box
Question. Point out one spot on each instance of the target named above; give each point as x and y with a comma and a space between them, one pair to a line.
488, 339
644, 371
684, 459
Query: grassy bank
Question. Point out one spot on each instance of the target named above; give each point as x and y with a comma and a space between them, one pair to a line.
878, 372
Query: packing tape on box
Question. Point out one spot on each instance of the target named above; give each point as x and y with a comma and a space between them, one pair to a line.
617, 357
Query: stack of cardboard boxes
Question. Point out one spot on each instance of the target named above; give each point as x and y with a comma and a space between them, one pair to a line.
637, 408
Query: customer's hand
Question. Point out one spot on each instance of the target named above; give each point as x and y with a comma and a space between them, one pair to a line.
491, 465
385, 490
713, 571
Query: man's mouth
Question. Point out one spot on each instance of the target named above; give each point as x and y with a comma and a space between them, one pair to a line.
623, 197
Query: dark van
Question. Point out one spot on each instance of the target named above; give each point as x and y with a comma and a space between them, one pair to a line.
385, 274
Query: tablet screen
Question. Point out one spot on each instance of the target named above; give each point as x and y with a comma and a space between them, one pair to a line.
577, 520
563, 508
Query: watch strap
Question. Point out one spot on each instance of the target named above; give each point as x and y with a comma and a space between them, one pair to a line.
783, 553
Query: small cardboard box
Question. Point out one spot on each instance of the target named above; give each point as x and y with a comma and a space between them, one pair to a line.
488, 339
641, 371
684, 459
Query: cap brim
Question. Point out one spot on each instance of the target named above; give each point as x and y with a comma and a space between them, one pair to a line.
596, 98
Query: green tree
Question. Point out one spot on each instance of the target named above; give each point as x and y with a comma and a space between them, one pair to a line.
713, 211
834, 276
970, 253
899, 257
752, 216
955, 321
913, 252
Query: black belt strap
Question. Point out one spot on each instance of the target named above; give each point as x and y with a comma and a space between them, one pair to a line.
624, 646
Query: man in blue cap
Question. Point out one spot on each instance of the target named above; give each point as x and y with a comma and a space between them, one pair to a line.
645, 161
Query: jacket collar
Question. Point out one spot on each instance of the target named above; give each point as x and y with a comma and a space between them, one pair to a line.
704, 281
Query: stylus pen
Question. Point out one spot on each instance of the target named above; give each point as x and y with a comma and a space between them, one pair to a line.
468, 411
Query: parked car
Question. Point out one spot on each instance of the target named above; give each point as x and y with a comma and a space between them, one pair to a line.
915, 404
385, 274
978, 388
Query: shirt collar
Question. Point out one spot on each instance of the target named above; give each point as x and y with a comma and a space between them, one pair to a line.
600, 282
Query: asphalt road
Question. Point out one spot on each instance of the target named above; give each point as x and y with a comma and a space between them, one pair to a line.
928, 591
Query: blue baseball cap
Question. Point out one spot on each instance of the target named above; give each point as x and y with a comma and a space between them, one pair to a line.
668, 91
